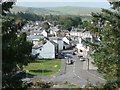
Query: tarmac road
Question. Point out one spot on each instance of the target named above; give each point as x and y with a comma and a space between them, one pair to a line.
74, 73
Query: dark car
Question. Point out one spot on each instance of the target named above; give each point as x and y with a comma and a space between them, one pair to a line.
70, 62
67, 56
80, 56
74, 53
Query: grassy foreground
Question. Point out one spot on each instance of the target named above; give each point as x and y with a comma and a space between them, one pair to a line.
43, 67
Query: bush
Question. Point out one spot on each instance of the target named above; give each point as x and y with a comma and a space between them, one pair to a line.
41, 84
112, 85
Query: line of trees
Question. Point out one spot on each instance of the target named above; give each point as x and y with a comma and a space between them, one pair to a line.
26, 16
106, 25
15, 49
64, 20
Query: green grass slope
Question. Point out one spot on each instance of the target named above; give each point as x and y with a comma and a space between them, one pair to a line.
66, 10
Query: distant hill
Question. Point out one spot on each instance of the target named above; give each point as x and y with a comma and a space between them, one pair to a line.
38, 11
75, 10
66, 10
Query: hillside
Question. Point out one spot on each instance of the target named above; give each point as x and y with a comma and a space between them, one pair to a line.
38, 11
67, 10
75, 10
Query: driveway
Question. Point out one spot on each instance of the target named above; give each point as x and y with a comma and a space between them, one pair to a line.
74, 73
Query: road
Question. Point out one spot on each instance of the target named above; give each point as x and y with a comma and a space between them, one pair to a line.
74, 73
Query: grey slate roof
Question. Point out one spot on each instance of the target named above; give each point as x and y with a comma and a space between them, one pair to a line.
77, 30
65, 43
31, 37
55, 38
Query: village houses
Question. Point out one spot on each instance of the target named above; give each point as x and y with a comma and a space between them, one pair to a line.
57, 39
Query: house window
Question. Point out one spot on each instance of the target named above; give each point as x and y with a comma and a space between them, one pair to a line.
40, 49
81, 51
63, 47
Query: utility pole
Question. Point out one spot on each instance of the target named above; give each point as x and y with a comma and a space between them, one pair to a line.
88, 59
88, 63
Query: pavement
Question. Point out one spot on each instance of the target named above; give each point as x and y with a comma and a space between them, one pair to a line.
75, 73
91, 66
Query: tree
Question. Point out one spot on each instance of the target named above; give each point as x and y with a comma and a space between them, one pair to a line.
6, 7
46, 26
66, 22
107, 55
69, 21
15, 49
76, 21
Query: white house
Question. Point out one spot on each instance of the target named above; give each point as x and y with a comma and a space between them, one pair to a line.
65, 39
44, 33
59, 41
60, 44
66, 43
50, 23
34, 38
35, 32
81, 47
54, 30
76, 32
47, 50
82, 50
86, 34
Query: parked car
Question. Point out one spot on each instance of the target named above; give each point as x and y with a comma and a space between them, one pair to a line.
82, 59
70, 62
74, 53
67, 56
80, 56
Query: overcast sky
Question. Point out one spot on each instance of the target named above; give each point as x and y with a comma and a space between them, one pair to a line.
55, 3
61, 1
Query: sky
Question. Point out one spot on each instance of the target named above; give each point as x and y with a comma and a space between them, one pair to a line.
55, 3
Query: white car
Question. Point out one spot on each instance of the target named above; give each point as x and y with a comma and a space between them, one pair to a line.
82, 59
67, 56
